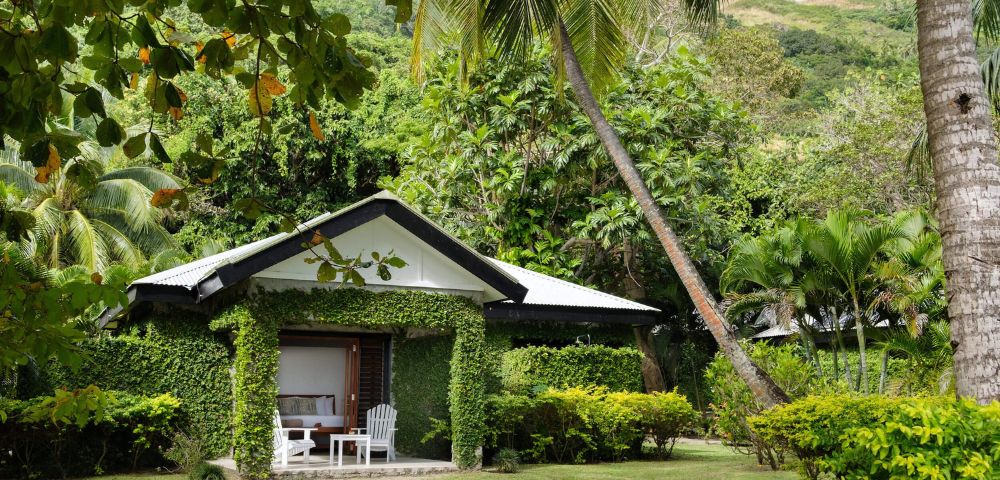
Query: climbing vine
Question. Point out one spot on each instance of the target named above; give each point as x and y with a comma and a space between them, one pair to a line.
257, 320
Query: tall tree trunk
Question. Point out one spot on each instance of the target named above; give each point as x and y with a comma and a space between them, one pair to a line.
967, 181
652, 375
859, 328
883, 373
759, 382
837, 331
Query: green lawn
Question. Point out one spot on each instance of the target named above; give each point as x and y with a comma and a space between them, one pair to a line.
690, 461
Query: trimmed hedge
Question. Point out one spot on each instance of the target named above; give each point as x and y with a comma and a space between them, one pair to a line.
420, 377
618, 369
130, 435
180, 356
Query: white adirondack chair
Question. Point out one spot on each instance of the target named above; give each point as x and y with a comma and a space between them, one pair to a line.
382, 429
284, 447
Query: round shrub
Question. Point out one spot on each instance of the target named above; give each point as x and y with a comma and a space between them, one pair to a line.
507, 460
812, 427
207, 471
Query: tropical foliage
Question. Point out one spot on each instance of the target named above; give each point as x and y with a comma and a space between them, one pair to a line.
850, 269
86, 213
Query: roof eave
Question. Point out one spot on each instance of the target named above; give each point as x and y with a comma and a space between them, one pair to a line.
569, 314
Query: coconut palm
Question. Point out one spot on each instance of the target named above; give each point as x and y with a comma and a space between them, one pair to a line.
851, 248
960, 138
589, 40
87, 214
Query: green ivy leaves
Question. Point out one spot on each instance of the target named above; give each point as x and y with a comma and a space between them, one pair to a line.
256, 323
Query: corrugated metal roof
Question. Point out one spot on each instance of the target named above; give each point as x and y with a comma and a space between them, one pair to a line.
542, 289
778, 330
546, 290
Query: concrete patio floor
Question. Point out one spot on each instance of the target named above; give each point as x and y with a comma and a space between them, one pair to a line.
319, 467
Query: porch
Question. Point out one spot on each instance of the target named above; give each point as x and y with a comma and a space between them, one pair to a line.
319, 467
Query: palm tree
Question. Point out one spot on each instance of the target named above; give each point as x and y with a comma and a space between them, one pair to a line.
765, 275
86, 214
928, 356
967, 183
590, 43
850, 247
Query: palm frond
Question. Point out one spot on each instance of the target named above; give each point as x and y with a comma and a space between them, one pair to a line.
49, 217
598, 39
119, 246
62, 276
19, 178
151, 178
990, 71
85, 244
125, 197
986, 18
918, 159
702, 12
516, 24
24, 264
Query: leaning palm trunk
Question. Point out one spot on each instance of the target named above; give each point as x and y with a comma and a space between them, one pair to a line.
967, 181
759, 382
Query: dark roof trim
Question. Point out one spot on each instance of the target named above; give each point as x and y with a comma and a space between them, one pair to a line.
457, 252
232, 273
522, 312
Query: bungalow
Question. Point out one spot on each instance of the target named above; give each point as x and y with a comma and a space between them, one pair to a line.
294, 336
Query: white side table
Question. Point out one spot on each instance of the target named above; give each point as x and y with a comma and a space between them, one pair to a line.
340, 438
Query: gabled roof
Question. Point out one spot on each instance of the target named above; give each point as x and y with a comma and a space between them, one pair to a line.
523, 291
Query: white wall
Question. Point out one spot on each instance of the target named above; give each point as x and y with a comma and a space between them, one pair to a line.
426, 267
312, 371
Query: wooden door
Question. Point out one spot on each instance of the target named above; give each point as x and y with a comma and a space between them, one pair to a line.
352, 377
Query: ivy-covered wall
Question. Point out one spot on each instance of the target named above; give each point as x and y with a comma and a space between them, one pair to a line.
180, 356
256, 322
420, 377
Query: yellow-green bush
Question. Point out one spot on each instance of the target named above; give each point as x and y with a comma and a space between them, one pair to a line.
924, 439
812, 427
881, 437
733, 403
577, 424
